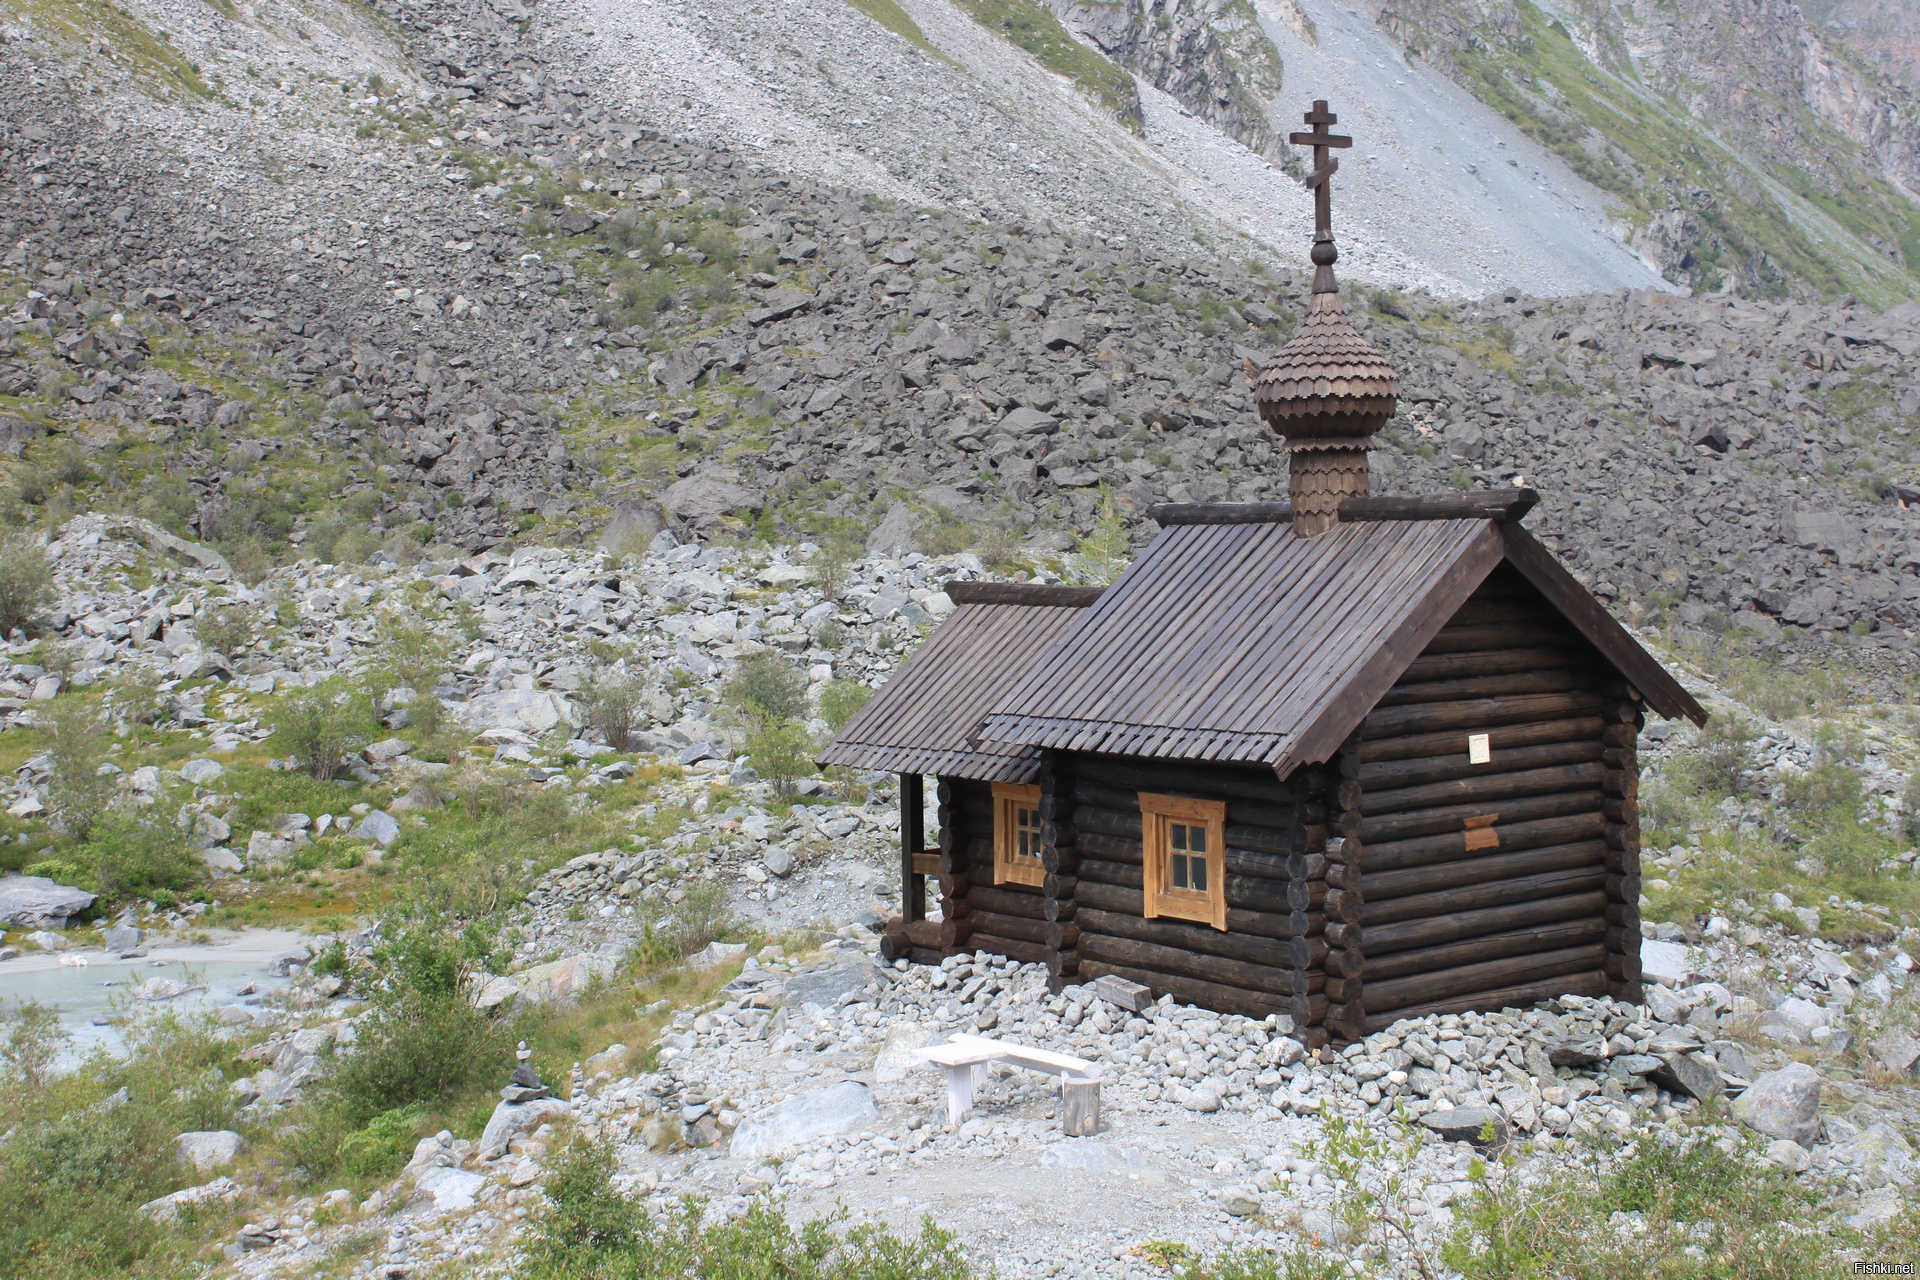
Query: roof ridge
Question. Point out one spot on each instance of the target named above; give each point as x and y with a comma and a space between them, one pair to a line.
1500, 505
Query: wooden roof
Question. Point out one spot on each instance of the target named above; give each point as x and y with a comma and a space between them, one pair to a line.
1231, 639
921, 719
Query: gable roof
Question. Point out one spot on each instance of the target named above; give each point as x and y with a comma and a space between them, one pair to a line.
921, 719
1232, 639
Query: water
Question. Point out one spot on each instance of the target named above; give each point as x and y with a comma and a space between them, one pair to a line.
104, 986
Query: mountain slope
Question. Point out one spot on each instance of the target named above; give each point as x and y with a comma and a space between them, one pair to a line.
1749, 150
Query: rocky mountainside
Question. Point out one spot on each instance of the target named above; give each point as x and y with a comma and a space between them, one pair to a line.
1755, 149
469, 300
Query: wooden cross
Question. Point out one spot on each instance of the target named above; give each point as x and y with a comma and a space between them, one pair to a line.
1324, 167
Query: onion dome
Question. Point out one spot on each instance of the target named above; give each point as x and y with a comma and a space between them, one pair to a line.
1328, 387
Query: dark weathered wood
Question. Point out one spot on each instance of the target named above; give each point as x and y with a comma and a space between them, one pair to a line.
1584, 930
1622, 968
1666, 695
1506, 737
1580, 984
1306, 895
1459, 637
1428, 850
939, 934
1624, 914
1456, 925
1061, 965
1499, 893
1253, 892
913, 847
1445, 984
1307, 953
1134, 953
1499, 505
1023, 928
1486, 789
1059, 889
1521, 684
1060, 937
925, 955
1503, 866
1347, 1021
1271, 953
1029, 593
1008, 900
1393, 774
1477, 715
1388, 828
1211, 995
1125, 900
1169, 778
1012, 948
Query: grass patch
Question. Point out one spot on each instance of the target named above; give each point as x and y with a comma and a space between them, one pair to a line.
1032, 26
890, 15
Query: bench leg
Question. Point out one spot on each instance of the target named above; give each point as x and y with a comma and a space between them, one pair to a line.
1080, 1108
961, 1082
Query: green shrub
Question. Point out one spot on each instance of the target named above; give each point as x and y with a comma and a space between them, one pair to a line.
841, 700
766, 689
26, 582
79, 793
141, 854
1103, 554
385, 1144
592, 1233
226, 628
613, 704
1724, 756
426, 1049
318, 726
413, 656
780, 753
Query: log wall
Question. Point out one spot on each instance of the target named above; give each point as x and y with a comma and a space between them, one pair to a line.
1482, 885
1267, 960
977, 914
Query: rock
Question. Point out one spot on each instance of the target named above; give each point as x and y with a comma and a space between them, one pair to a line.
1239, 1202
1063, 331
1881, 1154
1579, 1055
264, 849
559, 981
1883, 1204
1898, 1053
33, 902
715, 954
1025, 421
201, 772
824, 986
154, 990
283, 965
380, 827
529, 711
47, 940
1467, 1124
608, 1059
778, 304
122, 937
1665, 963
511, 1119
206, 1149
1790, 1156
1783, 1104
167, 1208
221, 860
836, 1109
896, 531
1683, 1073
448, 1188
704, 500
386, 751
896, 1060
632, 526
778, 860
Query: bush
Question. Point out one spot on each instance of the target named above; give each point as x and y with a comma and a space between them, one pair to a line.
841, 700
413, 656
766, 689
613, 704
591, 1231
226, 628
1725, 756
138, 855
319, 726
385, 1144
781, 753
1102, 555
79, 795
26, 582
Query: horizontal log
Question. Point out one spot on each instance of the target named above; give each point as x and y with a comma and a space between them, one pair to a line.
1340, 875
1347, 1021
1623, 862
1058, 832
1519, 685
1521, 996
1626, 942
1500, 866
1388, 828
1383, 939
1307, 953
1621, 835
1059, 859
1272, 953
925, 955
1624, 914
1506, 608
1060, 889
1099, 820
1428, 850
1126, 826
1507, 737
1126, 900
1627, 992
1344, 905
1517, 942
1344, 991
1134, 953
1008, 900
1559, 779
1620, 784
1280, 817
1621, 735
1454, 638
1304, 924
1306, 895
1309, 1012
1345, 962
1478, 714
1062, 966
979, 851
1622, 966
1208, 995
1446, 984
1623, 888
1256, 892
942, 934
957, 887
1465, 664
1012, 948
1060, 937
1221, 781
1392, 774
1307, 866
1499, 893
1342, 933
1020, 928
1056, 808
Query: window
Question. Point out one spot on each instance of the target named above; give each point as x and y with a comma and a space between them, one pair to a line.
1016, 835
1186, 858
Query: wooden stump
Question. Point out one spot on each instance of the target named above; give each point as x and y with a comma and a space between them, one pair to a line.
1080, 1108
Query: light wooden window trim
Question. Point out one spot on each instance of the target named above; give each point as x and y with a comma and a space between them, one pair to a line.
1158, 816
1009, 799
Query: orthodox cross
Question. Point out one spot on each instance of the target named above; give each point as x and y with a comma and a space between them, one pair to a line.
1324, 167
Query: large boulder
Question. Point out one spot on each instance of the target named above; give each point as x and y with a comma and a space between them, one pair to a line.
33, 902
511, 1119
531, 711
799, 1120
703, 501
632, 526
207, 1149
1783, 1104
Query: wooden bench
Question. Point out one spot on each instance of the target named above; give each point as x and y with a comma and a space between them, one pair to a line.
966, 1058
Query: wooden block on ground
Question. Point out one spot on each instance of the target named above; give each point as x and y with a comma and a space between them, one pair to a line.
1130, 996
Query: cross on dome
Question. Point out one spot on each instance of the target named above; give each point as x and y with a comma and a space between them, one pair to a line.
1319, 182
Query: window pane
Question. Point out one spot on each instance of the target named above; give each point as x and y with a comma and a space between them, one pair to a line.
1179, 871
1197, 841
1199, 875
1179, 835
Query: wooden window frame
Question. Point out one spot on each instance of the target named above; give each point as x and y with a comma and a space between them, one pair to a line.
1008, 798
1158, 815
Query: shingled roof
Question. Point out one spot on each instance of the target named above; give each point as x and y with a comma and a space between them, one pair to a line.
1234, 639
920, 721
